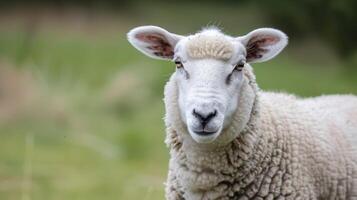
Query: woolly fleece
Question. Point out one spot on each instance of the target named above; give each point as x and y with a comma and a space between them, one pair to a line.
284, 148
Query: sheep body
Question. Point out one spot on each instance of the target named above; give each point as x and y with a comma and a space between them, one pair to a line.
229, 140
287, 148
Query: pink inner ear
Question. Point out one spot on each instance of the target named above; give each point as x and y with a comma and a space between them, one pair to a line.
264, 40
255, 47
158, 44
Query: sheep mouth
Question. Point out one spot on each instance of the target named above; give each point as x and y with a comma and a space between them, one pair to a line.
204, 136
205, 133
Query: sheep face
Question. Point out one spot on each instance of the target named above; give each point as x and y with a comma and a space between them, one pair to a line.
208, 72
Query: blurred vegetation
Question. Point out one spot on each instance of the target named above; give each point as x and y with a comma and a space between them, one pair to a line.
81, 110
330, 20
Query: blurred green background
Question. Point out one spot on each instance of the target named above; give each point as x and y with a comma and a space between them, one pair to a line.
81, 110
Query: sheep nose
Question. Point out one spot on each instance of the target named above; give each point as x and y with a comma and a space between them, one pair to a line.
204, 119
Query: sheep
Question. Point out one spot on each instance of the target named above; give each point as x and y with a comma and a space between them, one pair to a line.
230, 140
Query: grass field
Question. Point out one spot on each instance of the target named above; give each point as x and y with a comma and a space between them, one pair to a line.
81, 114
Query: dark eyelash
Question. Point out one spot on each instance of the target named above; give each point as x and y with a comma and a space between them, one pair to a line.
178, 64
239, 66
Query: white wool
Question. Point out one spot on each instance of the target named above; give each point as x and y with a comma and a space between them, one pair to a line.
287, 148
209, 44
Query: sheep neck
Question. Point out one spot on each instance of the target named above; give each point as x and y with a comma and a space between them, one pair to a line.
237, 160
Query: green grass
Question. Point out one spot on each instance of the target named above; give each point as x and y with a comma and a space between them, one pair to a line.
87, 144
95, 128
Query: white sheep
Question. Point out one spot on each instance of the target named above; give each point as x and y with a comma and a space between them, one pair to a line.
229, 140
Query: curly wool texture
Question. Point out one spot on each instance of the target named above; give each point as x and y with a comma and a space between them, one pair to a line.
286, 148
214, 45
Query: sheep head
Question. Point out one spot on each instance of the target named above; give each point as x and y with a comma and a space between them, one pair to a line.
208, 70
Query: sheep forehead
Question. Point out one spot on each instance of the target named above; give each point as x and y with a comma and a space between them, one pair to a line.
209, 44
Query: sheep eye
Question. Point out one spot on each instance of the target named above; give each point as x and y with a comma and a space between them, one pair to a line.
240, 66
178, 64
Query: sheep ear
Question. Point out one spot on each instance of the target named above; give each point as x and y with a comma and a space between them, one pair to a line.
154, 41
263, 44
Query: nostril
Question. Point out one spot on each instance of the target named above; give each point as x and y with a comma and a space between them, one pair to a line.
198, 115
204, 118
211, 115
